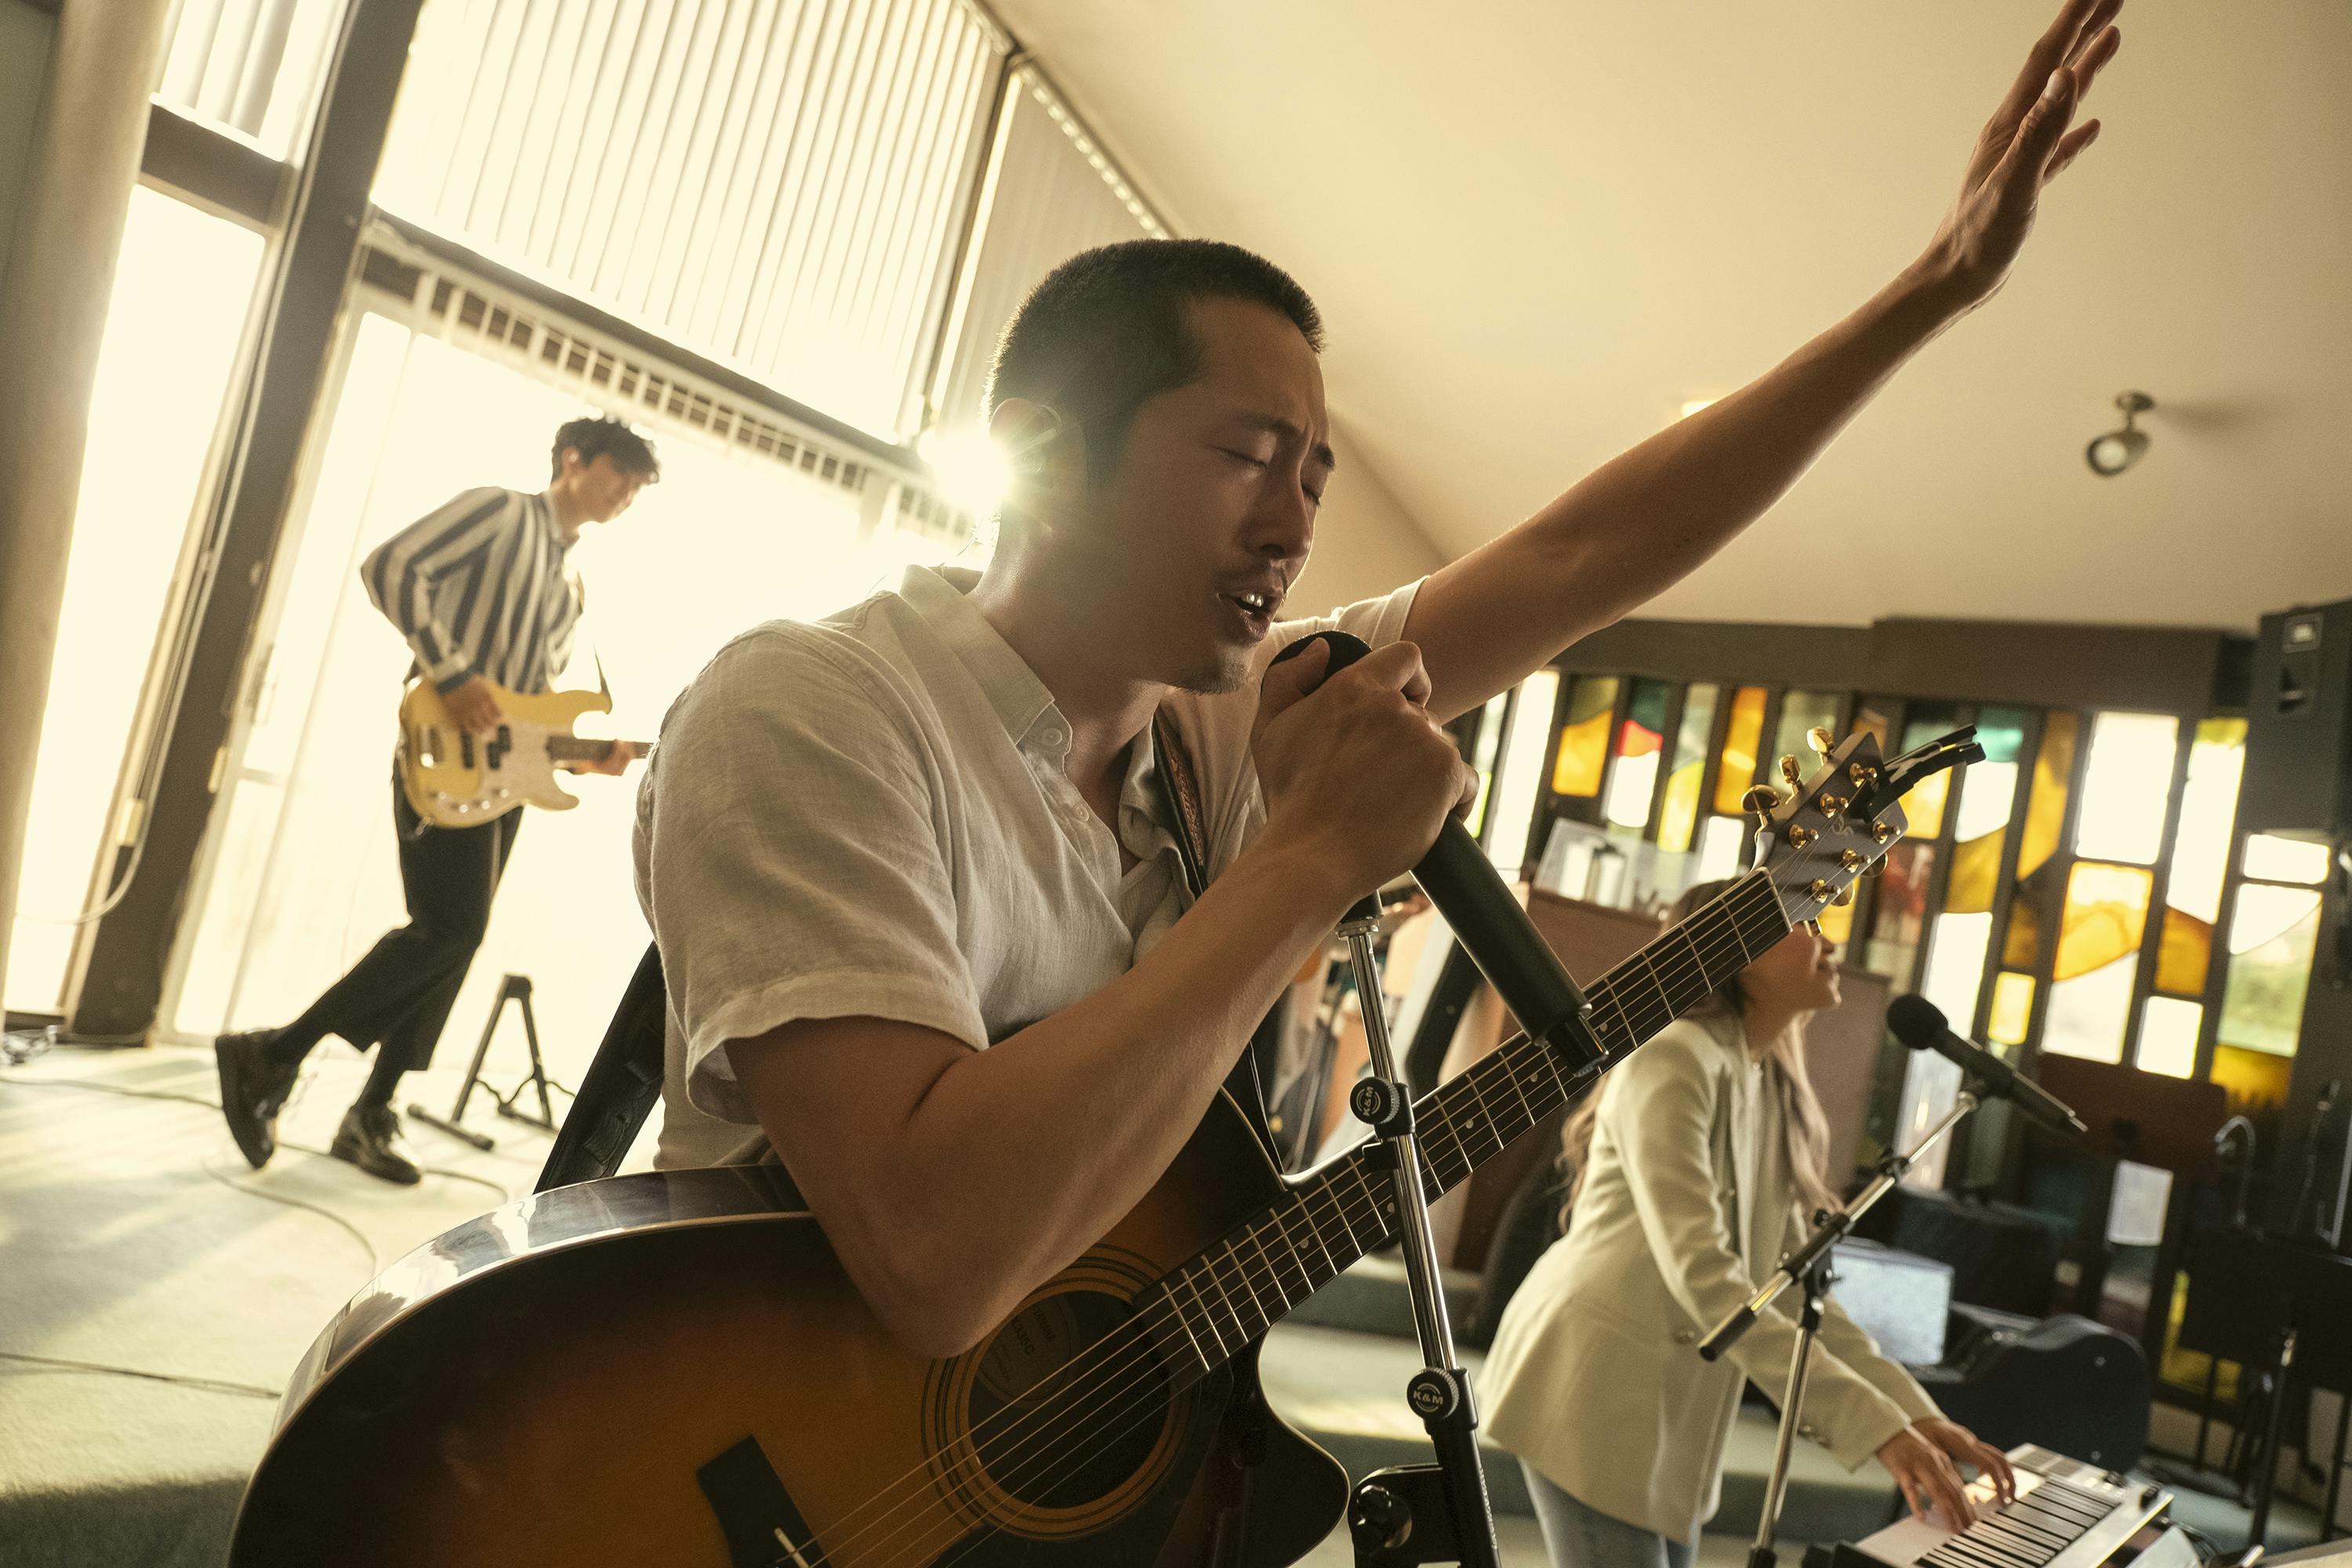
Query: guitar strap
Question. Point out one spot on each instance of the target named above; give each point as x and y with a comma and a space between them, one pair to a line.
1179, 796
1241, 1439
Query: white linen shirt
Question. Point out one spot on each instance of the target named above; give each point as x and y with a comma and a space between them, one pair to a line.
870, 816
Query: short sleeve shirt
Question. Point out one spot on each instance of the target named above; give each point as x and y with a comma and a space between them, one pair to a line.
870, 816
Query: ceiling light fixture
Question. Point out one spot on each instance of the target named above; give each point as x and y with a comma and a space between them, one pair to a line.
2112, 453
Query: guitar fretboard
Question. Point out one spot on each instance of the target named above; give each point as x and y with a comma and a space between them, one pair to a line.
1206, 1311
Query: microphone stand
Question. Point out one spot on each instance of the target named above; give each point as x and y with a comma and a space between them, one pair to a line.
1407, 1515
1411, 1515
1809, 1266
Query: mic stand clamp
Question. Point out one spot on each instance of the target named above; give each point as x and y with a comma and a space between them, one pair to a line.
1411, 1514
1809, 1266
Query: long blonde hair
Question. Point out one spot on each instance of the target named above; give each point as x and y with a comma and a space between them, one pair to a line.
1784, 1069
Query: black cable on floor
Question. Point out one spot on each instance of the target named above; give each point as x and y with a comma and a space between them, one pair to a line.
214, 1105
210, 1384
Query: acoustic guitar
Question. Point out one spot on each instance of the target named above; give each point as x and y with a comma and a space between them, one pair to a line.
673, 1369
455, 778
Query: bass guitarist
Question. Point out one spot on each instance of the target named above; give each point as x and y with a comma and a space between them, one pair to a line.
479, 590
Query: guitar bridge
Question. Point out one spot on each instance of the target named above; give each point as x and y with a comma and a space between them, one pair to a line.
762, 1526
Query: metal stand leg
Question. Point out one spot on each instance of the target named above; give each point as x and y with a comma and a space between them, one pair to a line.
1792, 1401
513, 988
2267, 1453
1416, 1514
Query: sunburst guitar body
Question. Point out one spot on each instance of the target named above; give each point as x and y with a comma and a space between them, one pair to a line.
455, 778
673, 1369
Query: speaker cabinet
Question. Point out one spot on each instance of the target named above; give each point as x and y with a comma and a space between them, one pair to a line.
2299, 774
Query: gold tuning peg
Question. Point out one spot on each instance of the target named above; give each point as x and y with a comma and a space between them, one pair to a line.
1820, 740
1845, 896
1876, 868
1761, 799
1789, 772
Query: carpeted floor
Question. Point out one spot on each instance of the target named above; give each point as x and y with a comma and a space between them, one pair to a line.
134, 1238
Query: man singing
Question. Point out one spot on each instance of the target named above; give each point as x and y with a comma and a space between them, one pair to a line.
480, 591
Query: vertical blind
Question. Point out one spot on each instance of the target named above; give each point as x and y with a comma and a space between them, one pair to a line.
1051, 192
778, 183
246, 65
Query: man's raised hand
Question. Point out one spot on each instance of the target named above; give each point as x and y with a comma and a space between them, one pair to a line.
2028, 143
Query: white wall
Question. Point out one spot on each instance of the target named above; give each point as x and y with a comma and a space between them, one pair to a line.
1365, 544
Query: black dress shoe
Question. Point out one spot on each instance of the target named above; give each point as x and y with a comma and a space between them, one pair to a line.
370, 1138
252, 1090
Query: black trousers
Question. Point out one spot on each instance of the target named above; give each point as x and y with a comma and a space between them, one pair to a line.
399, 994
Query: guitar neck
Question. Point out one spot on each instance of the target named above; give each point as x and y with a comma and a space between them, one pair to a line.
1224, 1297
579, 749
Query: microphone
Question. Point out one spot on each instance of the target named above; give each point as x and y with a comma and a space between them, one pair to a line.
1487, 920
1921, 1024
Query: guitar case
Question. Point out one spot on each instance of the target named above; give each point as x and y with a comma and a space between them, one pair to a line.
2065, 1383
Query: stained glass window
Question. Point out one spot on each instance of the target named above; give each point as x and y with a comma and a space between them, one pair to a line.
2126, 786
1640, 747
2045, 807
2012, 1008
2167, 1036
1678, 819
1584, 736
2098, 947
1876, 716
1955, 971
1482, 754
2272, 935
2251, 1078
2276, 860
1801, 713
1521, 768
1924, 806
1724, 848
1981, 825
1900, 909
1742, 737
2034, 896
2200, 855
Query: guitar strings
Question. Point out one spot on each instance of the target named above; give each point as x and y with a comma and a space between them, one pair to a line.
1780, 929
1133, 1335
1110, 1344
1443, 1122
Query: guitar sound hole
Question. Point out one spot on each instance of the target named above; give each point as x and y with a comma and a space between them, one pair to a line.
1058, 1416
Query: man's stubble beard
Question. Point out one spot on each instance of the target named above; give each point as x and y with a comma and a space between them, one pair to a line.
1222, 675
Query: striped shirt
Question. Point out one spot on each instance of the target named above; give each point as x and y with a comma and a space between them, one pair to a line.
478, 588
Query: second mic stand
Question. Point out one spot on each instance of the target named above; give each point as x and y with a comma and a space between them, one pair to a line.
1809, 1266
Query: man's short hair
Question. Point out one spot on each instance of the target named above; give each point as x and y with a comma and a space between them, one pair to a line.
596, 436
1110, 327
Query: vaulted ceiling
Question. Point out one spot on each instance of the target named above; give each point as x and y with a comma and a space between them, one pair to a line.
1538, 227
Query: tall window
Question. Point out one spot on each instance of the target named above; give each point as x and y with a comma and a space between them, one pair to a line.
778, 183
176, 317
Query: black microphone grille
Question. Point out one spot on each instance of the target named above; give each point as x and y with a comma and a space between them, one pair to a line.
1916, 1022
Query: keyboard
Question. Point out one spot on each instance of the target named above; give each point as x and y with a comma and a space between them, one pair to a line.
2066, 1514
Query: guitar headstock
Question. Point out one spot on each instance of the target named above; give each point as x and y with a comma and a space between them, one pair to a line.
1823, 833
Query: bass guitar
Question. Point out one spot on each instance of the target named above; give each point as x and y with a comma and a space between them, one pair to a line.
455, 778
673, 1368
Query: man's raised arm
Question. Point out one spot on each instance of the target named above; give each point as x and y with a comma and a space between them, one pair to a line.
1647, 518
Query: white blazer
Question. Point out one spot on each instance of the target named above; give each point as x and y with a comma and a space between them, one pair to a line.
1595, 1378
